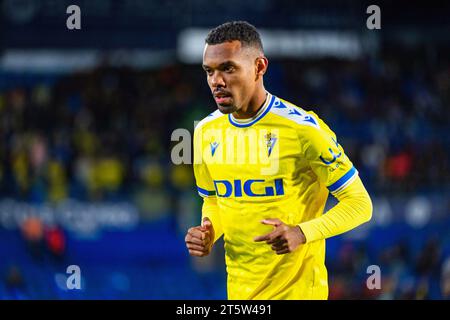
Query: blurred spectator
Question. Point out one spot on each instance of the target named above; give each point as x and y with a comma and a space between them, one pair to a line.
55, 241
445, 279
33, 233
429, 258
15, 283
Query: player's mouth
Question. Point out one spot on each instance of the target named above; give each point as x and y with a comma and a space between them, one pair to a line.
222, 98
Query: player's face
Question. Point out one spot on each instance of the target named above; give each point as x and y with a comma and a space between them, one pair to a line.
231, 74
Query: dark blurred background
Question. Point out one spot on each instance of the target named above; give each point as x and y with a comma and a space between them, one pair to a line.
86, 118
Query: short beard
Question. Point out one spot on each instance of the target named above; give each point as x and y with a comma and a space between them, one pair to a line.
227, 109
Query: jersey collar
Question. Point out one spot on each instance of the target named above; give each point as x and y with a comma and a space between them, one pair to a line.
242, 123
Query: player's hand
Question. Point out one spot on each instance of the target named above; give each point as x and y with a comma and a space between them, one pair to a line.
199, 240
284, 238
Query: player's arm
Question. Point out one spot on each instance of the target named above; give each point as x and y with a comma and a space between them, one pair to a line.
210, 210
334, 169
353, 209
200, 239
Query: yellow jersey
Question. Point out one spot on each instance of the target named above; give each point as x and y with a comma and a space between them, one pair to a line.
282, 163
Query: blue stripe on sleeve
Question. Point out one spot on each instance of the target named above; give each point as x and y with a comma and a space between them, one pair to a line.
335, 186
206, 193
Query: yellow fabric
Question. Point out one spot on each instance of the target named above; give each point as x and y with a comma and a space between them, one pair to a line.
353, 209
210, 210
281, 164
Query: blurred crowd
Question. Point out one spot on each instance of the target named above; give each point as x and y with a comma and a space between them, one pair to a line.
392, 114
104, 134
403, 274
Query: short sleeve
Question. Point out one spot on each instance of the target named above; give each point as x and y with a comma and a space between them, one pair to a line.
327, 158
205, 185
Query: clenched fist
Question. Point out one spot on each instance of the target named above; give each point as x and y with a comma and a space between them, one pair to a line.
199, 240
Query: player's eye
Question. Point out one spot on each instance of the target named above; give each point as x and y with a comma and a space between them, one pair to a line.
209, 72
229, 69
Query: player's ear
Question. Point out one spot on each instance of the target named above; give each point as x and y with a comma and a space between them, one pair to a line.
261, 64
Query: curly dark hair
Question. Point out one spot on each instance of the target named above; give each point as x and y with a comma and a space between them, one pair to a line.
243, 31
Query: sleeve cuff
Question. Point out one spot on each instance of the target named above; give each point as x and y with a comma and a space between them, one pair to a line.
311, 234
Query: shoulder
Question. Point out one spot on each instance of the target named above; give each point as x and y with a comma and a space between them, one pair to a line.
209, 119
295, 115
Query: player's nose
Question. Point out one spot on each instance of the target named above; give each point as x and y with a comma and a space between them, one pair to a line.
217, 80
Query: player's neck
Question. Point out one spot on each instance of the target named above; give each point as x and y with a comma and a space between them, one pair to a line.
255, 103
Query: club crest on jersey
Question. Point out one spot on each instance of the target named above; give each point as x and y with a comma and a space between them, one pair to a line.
271, 139
214, 146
